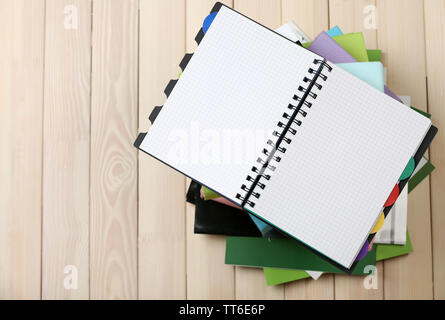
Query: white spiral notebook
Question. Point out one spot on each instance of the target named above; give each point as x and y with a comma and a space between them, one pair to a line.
321, 150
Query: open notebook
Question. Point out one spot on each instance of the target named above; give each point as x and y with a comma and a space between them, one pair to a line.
322, 150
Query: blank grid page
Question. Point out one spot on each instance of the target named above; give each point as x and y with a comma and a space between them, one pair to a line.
227, 102
330, 186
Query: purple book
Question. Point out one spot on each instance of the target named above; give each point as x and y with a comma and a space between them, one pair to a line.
328, 48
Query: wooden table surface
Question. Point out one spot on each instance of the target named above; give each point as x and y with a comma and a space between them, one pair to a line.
78, 79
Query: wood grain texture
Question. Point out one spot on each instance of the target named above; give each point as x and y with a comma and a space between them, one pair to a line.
435, 53
308, 289
21, 112
114, 118
161, 189
207, 275
266, 12
251, 282
66, 150
312, 16
353, 287
79, 194
349, 16
401, 37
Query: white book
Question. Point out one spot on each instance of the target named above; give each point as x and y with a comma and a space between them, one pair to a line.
314, 274
333, 149
291, 31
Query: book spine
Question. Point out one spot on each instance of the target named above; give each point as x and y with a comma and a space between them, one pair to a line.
286, 130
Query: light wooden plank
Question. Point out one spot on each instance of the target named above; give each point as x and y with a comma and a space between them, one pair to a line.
21, 95
114, 117
353, 16
356, 288
349, 15
207, 275
162, 263
310, 15
435, 53
266, 12
250, 282
401, 37
66, 148
309, 289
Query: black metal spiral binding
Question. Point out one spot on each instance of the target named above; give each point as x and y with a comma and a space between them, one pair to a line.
294, 109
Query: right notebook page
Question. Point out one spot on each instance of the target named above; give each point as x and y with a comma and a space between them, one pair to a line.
330, 186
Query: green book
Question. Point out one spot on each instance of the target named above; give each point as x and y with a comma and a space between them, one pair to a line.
275, 276
422, 171
375, 55
387, 251
282, 253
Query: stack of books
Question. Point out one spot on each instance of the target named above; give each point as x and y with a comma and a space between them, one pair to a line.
298, 151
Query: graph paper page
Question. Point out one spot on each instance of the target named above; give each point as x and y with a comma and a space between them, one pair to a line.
342, 164
227, 102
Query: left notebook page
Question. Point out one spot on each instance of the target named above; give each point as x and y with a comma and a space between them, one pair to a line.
227, 102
